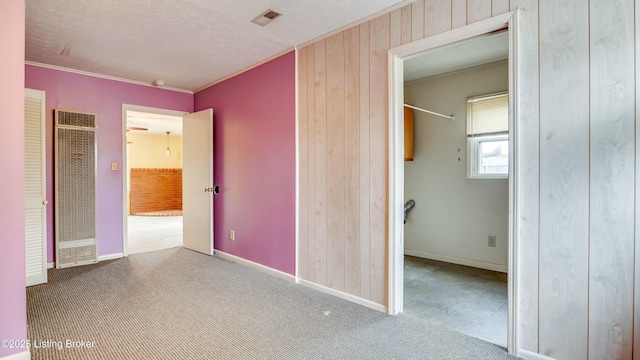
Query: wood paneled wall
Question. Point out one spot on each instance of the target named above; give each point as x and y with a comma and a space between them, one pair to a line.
578, 267
343, 131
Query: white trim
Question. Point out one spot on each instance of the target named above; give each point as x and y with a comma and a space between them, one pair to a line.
456, 260
297, 173
51, 265
250, 67
25, 355
125, 163
397, 56
413, 49
358, 22
342, 295
514, 183
525, 354
106, 77
255, 265
396, 185
110, 257
474, 155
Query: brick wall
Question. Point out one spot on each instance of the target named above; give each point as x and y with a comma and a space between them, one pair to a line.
156, 190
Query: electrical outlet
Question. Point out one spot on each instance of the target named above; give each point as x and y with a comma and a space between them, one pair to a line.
492, 241
232, 235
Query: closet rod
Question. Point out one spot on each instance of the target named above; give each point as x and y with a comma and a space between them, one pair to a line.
429, 112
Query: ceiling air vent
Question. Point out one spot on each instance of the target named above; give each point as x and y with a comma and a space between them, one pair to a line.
266, 17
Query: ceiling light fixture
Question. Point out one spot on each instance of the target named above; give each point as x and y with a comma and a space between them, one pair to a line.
168, 151
266, 17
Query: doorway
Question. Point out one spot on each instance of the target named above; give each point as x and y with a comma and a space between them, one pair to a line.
152, 178
457, 181
399, 57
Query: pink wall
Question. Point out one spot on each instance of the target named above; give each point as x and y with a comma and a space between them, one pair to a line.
13, 310
254, 152
105, 97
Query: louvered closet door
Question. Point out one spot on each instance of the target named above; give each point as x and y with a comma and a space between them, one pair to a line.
35, 188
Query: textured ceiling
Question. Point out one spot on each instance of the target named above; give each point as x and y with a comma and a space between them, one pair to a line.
186, 43
153, 123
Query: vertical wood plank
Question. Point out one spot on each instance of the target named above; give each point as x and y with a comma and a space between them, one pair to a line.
564, 178
311, 145
528, 195
636, 299
352, 164
437, 16
499, 7
335, 163
478, 10
378, 155
612, 171
458, 13
417, 20
320, 88
365, 170
406, 24
303, 167
396, 28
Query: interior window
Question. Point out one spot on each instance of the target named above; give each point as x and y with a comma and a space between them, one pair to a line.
488, 136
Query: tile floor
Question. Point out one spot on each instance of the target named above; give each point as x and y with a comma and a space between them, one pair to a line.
469, 300
151, 233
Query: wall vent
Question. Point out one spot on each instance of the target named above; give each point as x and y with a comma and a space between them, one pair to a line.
266, 17
75, 156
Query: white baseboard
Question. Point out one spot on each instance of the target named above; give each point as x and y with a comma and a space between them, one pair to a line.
110, 257
531, 355
25, 355
343, 295
51, 265
255, 265
291, 278
459, 261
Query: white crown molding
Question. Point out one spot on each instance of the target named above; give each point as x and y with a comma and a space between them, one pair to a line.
359, 22
272, 57
295, 48
107, 77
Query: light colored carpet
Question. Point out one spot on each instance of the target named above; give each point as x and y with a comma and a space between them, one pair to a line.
178, 304
152, 233
469, 300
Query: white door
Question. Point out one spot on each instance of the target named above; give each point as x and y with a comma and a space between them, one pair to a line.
35, 199
197, 181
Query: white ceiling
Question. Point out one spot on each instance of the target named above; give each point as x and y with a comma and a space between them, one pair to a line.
187, 43
154, 123
473, 52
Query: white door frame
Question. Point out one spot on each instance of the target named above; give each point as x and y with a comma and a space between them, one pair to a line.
397, 56
124, 167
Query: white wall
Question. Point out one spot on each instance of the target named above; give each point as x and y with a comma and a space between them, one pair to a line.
453, 215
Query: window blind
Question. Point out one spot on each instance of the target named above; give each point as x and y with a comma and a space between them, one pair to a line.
488, 114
